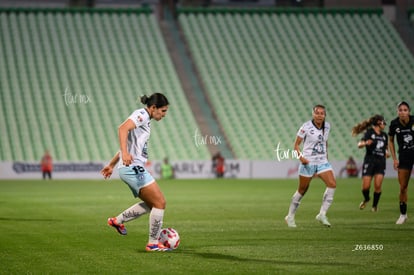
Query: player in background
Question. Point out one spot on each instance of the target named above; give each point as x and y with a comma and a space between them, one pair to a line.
402, 127
218, 165
351, 167
167, 170
133, 134
375, 141
46, 165
313, 161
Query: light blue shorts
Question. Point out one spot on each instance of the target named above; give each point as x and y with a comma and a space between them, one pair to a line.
136, 177
309, 170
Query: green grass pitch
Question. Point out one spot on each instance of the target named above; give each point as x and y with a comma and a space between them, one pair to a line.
226, 226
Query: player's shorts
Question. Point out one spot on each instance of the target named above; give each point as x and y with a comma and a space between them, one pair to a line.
406, 160
373, 166
308, 170
136, 177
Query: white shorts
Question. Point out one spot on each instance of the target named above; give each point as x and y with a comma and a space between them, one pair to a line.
309, 170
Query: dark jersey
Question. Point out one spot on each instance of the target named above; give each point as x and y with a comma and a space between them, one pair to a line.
378, 146
404, 133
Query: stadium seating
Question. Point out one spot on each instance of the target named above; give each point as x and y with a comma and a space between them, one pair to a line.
70, 77
264, 72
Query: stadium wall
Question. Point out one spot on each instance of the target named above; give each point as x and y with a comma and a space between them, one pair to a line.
243, 169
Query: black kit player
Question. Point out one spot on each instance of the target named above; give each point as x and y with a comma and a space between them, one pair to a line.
402, 127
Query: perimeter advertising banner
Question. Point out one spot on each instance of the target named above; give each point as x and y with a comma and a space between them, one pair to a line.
243, 169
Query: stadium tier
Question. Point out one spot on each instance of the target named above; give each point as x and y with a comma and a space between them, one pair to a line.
69, 78
263, 72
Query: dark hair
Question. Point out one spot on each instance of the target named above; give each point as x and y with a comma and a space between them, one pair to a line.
319, 106
403, 103
362, 126
157, 99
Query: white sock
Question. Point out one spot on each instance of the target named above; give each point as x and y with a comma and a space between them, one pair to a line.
155, 224
133, 212
327, 200
294, 204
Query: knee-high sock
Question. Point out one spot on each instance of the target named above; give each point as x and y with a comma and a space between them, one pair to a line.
376, 199
365, 193
327, 200
403, 208
133, 212
294, 204
155, 224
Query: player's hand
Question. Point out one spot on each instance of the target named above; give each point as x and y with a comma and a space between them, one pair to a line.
107, 172
304, 161
126, 159
396, 163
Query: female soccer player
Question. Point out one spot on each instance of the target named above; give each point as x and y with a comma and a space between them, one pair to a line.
313, 161
133, 134
403, 128
375, 141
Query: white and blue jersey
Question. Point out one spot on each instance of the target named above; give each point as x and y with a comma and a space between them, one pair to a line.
314, 142
135, 175
137, 144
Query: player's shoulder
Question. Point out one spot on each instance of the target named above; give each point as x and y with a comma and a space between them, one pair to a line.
140, 115
308, 124
395, 121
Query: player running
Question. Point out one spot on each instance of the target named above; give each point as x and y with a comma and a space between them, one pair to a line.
403, 128
134, 133
313, 161
375, 141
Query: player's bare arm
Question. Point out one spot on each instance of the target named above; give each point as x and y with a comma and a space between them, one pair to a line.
298, 141
108, 169
123, 131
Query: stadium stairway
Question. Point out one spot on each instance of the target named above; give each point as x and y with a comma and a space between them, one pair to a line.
192, 85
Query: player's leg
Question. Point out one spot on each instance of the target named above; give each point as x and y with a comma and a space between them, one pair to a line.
305, 176
154, 198
135, 179
328, 177
366, 184
296, 198
378, 178
403, 178
133, 212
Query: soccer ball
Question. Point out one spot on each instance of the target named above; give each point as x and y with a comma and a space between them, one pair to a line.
169, 237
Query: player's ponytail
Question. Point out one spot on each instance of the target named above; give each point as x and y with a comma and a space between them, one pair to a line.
144, 99
362, 126
157, 99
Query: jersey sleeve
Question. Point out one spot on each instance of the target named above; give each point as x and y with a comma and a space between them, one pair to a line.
302, 131
139, 117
